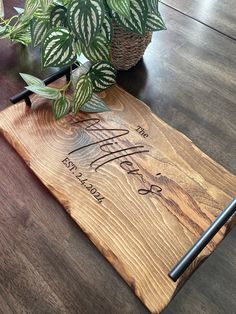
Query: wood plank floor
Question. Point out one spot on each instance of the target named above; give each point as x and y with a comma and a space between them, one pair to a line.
190, 83
47, 265
218, 14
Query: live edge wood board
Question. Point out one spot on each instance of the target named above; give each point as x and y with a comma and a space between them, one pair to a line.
140, 190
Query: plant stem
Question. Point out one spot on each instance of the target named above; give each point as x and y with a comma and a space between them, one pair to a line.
11, 19
65, 87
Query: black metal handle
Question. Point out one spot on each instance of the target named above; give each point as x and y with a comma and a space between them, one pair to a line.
206, 237
26, 93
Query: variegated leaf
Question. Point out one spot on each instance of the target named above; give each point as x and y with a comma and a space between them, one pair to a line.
58, 48
39, 29
23, 38
155, 22
83, 92
85, 18
153, 5
32, 80
44, 91
137, 21
77, 48
103, 75
82, 69
45, 3
61, 107
58, 16
121, 7
21, 27
95, 104
107, 29
31, 6
61, 2
42, 15
43, 10
98, 50
21, 33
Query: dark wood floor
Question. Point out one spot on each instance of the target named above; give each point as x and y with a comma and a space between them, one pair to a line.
47, 265
220, 15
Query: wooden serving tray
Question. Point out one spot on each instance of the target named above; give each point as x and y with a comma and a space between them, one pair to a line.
140, 190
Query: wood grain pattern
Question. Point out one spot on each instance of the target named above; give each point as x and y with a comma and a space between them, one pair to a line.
187, 78
142, 236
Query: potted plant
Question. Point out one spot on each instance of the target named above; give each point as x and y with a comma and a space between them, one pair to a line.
110, 34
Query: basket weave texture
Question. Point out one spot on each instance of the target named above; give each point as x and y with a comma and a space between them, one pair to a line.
128, 48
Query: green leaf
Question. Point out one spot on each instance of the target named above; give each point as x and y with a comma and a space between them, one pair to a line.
121, 7
61, 107
42, 12
46, 92
39, 29
103, 75
45, 4
58, 48
31, 6
82, 69
107, 29
42, 15
137, 21
58, 16
77, 48
32, 80
1, 9
20, 30
155, 22
95, 104
83, 92
85, 18
21, 35
153, 5
98, 50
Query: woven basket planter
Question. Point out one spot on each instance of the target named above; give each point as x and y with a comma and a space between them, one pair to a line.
128, 48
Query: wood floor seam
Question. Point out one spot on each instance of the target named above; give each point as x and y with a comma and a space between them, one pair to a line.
199, 21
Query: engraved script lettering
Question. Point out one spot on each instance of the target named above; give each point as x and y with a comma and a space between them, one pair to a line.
125, 152
111, 151
154, 189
